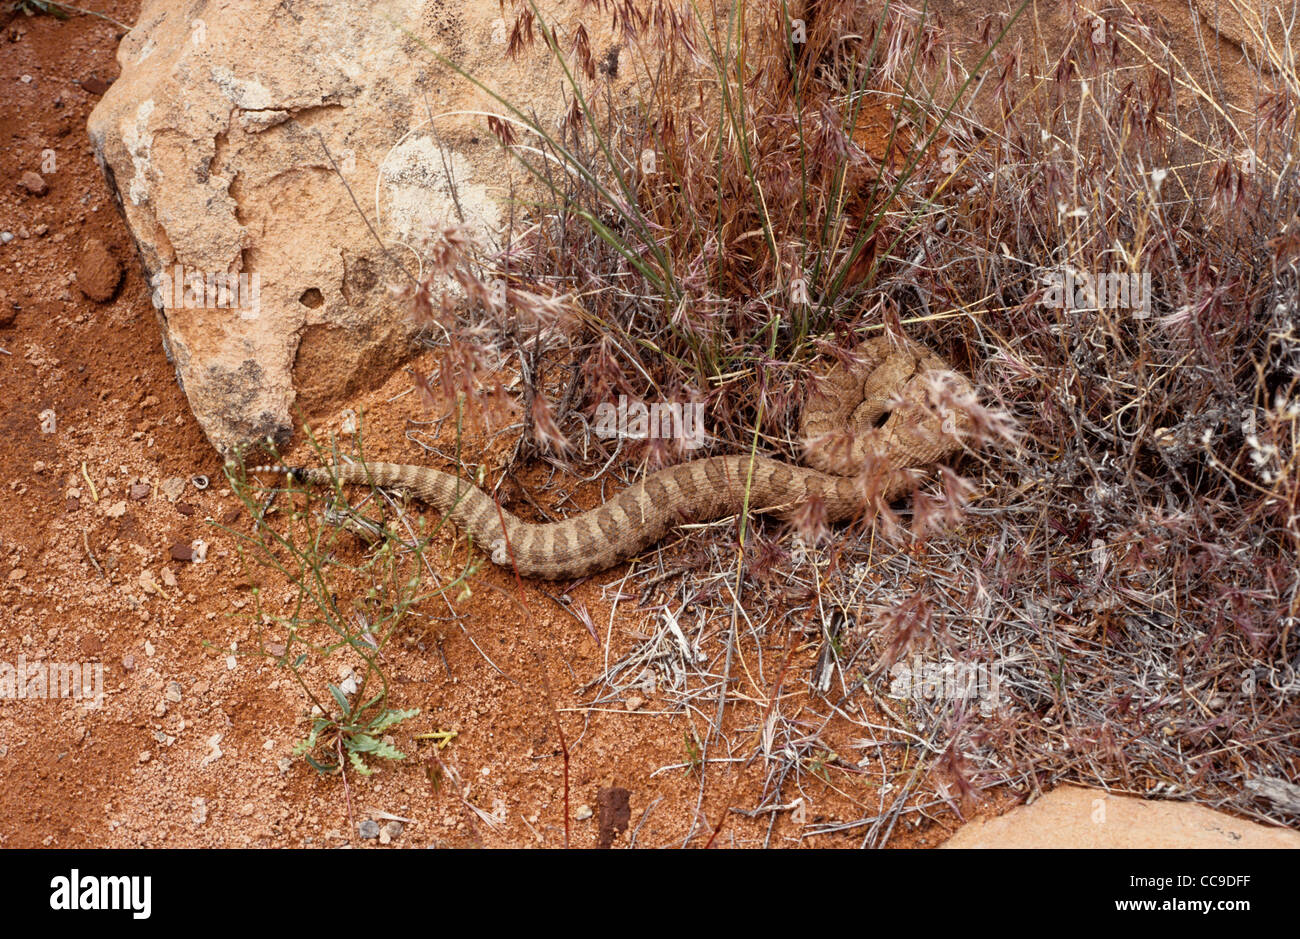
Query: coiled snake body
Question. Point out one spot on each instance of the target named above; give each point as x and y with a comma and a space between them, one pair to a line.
842, 442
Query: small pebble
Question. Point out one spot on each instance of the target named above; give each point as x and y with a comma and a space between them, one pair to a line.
34, 183
368, 829
583, 813
99, 273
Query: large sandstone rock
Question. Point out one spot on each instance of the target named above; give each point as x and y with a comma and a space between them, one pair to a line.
212, 139
1073, 817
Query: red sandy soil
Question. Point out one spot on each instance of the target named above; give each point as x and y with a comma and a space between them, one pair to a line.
86, 575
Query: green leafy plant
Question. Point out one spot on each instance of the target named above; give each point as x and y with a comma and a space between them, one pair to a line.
348, 575
356, 733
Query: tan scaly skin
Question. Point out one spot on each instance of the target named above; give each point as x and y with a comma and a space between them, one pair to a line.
852, 460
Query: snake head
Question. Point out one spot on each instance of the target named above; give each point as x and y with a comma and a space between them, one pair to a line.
930, 418
898, 404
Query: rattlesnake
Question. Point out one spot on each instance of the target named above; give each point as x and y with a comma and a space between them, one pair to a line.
851, 460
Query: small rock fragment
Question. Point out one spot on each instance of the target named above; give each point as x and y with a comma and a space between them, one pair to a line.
615, 813
214, 750
368, 829
99, 273
181, 551
34, 183
173, 487
173, 692
147, 583
141, 491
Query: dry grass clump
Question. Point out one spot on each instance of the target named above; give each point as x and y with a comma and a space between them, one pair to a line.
1118, 575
